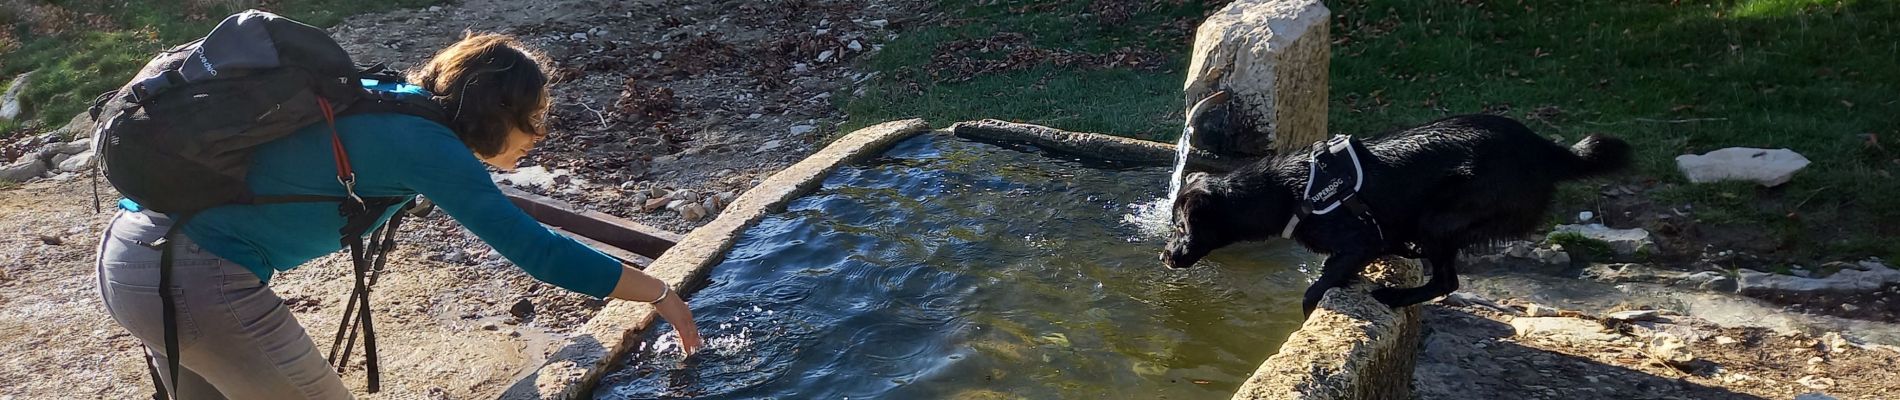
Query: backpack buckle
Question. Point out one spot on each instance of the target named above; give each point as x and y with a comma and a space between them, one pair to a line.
349, 188
145, 90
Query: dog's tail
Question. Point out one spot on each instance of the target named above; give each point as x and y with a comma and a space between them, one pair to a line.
1597, 155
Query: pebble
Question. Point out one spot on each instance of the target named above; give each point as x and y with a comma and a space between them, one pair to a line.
692, 212
657, 55
490, 326
1725, 340
1816, 382
712, 204
578, 36
1539, 310
653, 204
1634, 315
1584, 217
825, 56
522, 309
675, 205
51, 240
802, 129
855, 46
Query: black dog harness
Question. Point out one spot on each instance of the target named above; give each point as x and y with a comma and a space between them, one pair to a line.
1334, 177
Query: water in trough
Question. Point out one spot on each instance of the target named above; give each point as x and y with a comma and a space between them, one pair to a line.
955, 269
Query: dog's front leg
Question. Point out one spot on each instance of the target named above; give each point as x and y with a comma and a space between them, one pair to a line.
1339, 271
1444, 265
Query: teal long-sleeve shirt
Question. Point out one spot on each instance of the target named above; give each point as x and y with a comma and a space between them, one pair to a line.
392, 155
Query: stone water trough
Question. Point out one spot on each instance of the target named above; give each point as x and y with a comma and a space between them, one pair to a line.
1352, 348
1271, 56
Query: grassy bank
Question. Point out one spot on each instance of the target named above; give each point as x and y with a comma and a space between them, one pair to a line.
1815, 76
85, 47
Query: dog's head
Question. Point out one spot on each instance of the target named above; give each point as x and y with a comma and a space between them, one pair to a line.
1200, 222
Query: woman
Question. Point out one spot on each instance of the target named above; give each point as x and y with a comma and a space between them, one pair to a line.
236, 336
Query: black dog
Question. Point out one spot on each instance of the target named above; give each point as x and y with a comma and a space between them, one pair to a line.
1429, 191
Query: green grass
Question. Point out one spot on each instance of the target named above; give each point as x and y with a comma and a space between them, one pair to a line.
1671, 77
100, 44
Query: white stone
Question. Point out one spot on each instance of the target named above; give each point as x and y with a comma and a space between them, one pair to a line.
1584, 217
1845, 281
578, 36
78, 162
799, 130
435, 8
825, 55
657, 56
27, 167
10, 106
770, 145
73, 147
855, 46
1763, 166
1272, 56
1634, 315
1622, 241
1539, 310
754, 116
1562, 328
878, 23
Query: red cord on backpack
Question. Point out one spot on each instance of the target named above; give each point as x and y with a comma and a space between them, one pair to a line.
343, 172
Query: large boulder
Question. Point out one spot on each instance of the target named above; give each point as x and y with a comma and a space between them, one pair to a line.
1272, 56
10, 106
25, 168
1766, 167
1622, 241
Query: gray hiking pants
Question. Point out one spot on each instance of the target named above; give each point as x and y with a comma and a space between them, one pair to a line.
238, 339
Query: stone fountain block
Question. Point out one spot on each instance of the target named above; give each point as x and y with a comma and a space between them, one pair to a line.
1272, 56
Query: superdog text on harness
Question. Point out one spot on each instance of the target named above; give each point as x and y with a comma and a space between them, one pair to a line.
1334, 177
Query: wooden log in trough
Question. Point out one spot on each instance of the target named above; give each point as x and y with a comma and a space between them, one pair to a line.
603, 231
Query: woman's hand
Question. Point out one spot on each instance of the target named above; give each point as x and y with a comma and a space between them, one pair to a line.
638, 286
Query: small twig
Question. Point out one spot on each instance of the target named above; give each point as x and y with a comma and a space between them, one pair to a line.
597, 114
1659, 121
1804, 201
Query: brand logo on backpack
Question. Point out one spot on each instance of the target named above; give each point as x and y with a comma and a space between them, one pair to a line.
206, 62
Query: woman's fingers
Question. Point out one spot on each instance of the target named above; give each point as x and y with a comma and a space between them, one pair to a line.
675, 312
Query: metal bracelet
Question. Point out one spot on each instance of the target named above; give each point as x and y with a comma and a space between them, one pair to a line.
665, 289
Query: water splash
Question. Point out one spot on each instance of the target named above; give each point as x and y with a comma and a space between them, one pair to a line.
1152, 220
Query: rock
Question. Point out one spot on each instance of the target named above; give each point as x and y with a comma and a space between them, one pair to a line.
77, 162
435, 8
578, 36
1816, 382
1552, 257
711, 204
27, 167
825, 55
754, 116
51, 240
522, 309
1562, 328
1634, 315
657, 192
58, 158
1622, 241
1670, 349
769, 145
1801, 272
1584, 217
676, 204
653, 204
878, 23
1846, 281
73, 147
79, 127
686, 195
1272, 57
656, 56
1814, 396
1710, 281
855, 46
726, 198
1539, 310
489, 326
692, 212
1762, 166
1725, 340
10, 106
801, 130
1837, 343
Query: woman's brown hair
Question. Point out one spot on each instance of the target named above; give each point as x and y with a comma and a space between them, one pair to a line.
489, 84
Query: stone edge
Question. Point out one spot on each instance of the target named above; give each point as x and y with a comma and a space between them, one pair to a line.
1352, 347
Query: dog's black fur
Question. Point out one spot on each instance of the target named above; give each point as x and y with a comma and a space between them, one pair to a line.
1433, 189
